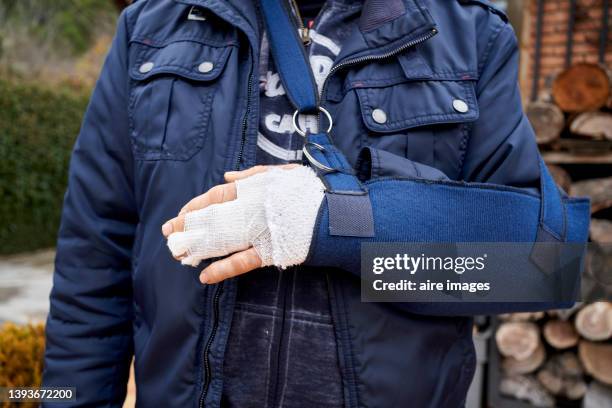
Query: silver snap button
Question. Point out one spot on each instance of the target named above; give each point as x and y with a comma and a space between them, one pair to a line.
460, 106
379, 116
146, 67
205, 67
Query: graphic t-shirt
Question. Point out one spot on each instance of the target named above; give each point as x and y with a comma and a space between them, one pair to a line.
277, 142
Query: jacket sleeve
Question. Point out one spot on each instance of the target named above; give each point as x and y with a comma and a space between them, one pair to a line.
501, 151
89, 339
502, 148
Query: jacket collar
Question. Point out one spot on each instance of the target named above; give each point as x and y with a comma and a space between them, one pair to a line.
383, 25
386, 25
240, 13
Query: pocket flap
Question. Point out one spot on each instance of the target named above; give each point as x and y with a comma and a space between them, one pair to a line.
417, 103
189, 59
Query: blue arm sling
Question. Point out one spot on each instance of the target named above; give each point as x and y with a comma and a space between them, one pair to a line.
415, 210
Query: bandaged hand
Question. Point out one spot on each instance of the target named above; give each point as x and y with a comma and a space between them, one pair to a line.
263, 216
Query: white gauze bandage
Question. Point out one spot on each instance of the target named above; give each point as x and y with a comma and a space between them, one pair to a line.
274, 212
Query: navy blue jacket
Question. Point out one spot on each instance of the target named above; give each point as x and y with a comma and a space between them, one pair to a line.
159, 131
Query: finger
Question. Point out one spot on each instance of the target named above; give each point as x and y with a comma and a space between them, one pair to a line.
239, 175
180, 257
218, 194
234, 265
178, 246
176, 224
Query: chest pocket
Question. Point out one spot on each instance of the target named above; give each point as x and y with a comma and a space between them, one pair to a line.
171, 96
420, 115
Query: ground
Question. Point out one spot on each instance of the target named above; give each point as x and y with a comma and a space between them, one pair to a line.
25, 283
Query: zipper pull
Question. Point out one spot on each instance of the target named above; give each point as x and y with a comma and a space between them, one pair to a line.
304, 34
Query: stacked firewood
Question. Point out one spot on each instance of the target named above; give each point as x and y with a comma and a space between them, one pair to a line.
576, 108
573, 124
597, 278
561, 355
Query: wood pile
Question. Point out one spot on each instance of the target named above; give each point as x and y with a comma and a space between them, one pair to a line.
573, 121
564, 357
559, 357
599, 190
597, 275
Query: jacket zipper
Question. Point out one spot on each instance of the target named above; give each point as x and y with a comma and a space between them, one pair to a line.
361, 60
207, 371
219, 289
245, 120
303, 30
389, 54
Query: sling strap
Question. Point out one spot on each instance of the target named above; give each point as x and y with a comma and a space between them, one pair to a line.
350, 209
290, 57
347, 197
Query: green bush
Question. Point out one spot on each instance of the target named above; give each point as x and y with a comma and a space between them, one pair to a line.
37, 130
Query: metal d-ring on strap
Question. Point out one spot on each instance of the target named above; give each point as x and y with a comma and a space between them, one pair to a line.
314, 161
303, 133
317, 146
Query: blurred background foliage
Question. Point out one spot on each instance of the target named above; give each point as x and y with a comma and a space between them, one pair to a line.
54, 41
22, 350
51, 52
66, 24
21, 357
38, 128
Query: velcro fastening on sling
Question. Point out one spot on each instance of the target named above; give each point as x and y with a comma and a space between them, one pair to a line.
350, 209
350, 215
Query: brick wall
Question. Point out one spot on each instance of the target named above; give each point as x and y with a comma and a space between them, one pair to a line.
554, 37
